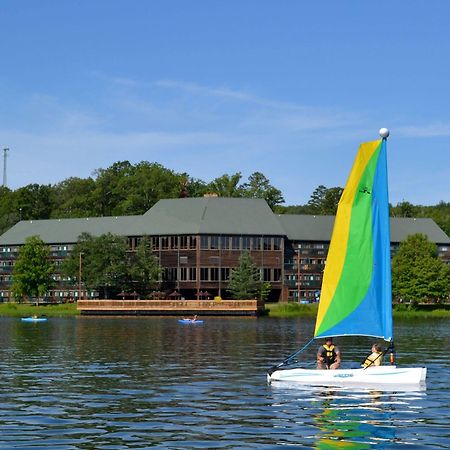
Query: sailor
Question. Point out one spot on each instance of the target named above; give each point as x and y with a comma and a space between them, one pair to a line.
328, 355
375, 358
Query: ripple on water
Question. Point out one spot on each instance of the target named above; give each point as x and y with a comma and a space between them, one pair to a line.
159, 385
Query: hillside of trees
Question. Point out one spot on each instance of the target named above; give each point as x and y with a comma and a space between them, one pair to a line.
127, 189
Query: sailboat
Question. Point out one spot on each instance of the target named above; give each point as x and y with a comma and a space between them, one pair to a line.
356, 296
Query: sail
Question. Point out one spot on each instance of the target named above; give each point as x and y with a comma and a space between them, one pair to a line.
356, 296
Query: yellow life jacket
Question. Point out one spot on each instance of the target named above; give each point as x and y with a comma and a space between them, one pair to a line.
329, 354
374, 359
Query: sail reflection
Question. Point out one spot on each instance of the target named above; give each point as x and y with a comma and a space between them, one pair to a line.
351, 418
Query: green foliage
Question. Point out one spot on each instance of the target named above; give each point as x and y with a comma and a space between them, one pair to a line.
245, 279
417, 273
325, 200
227, 185
258, 186
292, 310
32, 270
109, 268
103, 260
144, 269
74, 198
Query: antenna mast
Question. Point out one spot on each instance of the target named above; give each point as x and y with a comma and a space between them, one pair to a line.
5, 155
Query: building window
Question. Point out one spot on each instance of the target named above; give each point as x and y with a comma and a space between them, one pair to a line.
214, 242
225, 242
204, 242
277, 243
235, 242
257, 243
192, 273
183, 242
170, 273
155, 243
204, 274
183, 273
267, 243
214, 273
225, 273
164, 242
192, 241
276, 274
246, 243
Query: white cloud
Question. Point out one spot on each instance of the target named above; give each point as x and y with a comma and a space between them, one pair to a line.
424, 131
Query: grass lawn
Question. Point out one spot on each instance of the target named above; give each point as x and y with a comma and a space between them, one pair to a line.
310, 310
27, 309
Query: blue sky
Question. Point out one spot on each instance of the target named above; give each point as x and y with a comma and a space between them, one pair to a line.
286, 88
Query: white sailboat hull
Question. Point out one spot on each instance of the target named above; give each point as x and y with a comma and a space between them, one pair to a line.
374, 376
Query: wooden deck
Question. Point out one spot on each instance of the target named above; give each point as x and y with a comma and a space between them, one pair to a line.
171, 307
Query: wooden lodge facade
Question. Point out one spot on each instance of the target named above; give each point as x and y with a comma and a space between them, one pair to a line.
198, 241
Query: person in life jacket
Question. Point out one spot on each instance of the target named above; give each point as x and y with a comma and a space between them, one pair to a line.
375, 358
328, 355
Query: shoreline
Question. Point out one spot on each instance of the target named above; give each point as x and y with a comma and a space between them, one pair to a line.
285, 310
273, 310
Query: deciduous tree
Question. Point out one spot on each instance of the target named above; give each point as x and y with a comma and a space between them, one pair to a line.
417, 273
32, 270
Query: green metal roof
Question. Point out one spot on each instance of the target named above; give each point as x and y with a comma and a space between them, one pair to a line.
213, 215
207, 215
55, 231
319, 228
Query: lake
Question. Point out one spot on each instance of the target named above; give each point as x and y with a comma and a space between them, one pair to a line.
150, 382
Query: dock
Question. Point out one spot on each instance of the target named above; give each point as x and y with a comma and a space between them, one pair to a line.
171, 307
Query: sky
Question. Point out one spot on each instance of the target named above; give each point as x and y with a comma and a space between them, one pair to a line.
287, 88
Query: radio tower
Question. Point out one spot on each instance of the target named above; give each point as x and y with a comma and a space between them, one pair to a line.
5, 155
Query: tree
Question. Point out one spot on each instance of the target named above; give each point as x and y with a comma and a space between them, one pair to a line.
144, 269
258, 186
74, 197
325, 200
245, 279
32, 270
34, 201
226, 185
417, 273
104, 260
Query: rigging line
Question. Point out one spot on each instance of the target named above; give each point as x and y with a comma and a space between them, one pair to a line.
289, 358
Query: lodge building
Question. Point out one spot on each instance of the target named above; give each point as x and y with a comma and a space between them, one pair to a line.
198, 241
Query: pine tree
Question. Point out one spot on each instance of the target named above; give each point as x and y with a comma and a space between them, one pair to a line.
245, 279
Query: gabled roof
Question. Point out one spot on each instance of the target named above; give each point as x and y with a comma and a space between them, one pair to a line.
213, 215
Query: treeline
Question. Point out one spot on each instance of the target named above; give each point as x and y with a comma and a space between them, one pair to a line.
128, 189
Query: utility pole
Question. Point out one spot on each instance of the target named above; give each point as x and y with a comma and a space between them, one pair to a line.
5, 155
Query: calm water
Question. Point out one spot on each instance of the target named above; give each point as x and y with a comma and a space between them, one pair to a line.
116, 383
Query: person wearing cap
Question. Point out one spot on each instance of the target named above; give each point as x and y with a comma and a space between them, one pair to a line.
328, 355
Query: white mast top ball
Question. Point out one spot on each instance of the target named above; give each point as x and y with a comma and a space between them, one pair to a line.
384, 133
